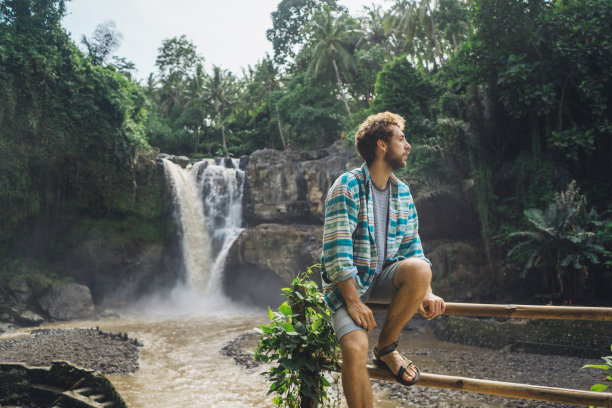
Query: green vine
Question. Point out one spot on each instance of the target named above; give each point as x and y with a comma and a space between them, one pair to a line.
300, 343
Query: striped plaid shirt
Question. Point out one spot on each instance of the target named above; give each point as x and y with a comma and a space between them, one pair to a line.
349, 249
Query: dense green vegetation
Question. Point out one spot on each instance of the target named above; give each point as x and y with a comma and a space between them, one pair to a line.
507, 103
72, 137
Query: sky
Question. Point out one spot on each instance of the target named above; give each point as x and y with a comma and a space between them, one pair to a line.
229, 33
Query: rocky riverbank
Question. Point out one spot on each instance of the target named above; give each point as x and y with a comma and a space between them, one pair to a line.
109, 353
436, 357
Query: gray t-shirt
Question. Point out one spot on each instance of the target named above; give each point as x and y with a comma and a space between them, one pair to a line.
381, 219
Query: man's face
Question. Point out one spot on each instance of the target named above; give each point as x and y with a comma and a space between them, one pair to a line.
397, 150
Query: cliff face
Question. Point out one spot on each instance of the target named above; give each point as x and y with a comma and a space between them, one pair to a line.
289, 187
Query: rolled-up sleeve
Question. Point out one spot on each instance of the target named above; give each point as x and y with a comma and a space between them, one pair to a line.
340, 223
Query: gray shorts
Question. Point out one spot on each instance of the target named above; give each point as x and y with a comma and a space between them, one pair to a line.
381, 291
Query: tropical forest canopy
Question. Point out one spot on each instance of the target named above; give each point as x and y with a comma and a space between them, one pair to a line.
506, 105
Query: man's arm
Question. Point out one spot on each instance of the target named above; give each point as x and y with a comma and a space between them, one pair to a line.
340, 222
361, 314
432, 305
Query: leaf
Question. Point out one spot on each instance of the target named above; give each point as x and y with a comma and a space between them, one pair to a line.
317, 323
270, 313
599, 387
285, 309
289, 327
601, 366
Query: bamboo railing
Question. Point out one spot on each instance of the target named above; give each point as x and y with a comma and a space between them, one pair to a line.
521, 311
506, 389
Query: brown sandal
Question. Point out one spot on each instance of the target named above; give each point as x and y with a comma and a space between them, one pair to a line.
404, 367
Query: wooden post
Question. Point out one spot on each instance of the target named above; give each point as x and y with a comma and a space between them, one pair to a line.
505, 389
521, 311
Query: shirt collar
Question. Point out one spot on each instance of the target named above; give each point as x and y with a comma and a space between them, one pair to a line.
366, 174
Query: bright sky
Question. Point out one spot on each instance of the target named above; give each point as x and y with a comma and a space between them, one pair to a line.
230, 33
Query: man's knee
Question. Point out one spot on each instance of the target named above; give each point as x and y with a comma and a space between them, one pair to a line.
354, 345
414, 271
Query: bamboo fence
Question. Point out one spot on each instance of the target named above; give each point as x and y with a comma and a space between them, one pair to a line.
521, 311
505, 389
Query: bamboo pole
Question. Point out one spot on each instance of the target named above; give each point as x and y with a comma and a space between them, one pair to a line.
505, 389
521, 311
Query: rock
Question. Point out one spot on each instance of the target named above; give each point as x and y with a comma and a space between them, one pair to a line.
182, 161
289, 187
119, 272
20, 290
29, 318
267, 258
282, 249
458, 271
68, 301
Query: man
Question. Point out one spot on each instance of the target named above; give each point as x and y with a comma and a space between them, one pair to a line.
372, 253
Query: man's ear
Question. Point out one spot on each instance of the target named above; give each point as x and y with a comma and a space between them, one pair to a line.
381, 145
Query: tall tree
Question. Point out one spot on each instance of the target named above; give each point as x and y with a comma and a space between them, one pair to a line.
288, 20
333, 40
177, 55
103, 42
221, 94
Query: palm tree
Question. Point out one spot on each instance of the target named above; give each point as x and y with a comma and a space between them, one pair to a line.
195, 101
415, 27
332, 51
376, 26
221, 95
172, 93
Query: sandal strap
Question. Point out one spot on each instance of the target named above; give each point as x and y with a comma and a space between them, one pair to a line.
385, 350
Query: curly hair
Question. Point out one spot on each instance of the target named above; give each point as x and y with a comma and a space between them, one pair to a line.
373, 128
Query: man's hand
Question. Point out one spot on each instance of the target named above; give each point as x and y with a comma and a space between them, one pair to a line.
361, 314
432, 306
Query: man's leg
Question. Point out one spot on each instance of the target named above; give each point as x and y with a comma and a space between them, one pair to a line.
355, 377
412, 279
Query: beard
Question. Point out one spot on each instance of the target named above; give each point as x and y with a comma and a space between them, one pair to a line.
394, 161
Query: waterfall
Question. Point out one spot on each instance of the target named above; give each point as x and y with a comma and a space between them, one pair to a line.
208, 203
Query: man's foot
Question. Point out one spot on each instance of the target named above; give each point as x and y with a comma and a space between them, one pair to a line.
404, 370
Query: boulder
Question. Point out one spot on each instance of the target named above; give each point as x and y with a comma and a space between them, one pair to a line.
289, 187
68, 301
29, 318
268, 257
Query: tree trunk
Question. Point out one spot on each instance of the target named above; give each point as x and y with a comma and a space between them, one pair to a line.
342, 95
434, 37
197, 138
223, 137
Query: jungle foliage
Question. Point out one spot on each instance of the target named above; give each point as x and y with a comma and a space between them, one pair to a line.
506, 103
72, 132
